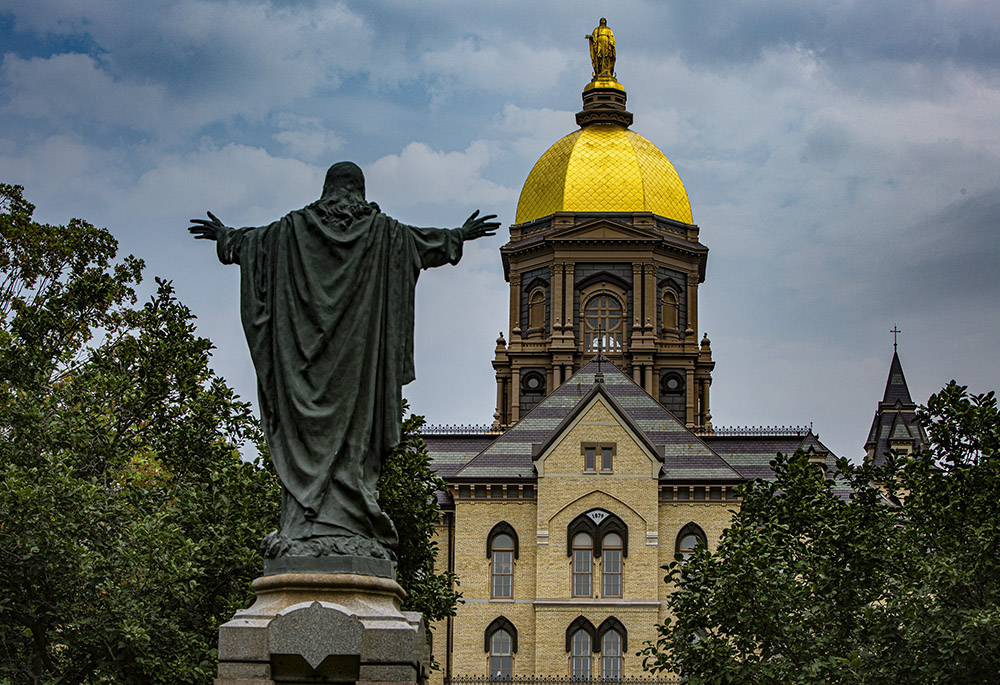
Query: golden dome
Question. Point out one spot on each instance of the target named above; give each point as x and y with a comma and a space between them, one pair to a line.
603, 167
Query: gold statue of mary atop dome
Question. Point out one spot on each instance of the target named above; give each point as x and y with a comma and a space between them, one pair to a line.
602, 50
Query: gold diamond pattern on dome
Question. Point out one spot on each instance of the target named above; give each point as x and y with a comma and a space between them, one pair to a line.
603, 168
603, 172
542, 193
662, 186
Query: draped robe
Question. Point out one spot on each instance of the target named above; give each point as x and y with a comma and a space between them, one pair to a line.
327, 309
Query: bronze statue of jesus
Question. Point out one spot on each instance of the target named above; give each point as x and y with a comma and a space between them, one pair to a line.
327, 297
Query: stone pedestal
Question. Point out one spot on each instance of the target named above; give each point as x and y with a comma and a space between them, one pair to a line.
323, 628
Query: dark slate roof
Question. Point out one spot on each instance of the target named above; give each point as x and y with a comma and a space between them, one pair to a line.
751, 455
686, 456
450, 452
895, 417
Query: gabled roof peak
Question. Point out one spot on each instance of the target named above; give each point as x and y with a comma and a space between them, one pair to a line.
685, 456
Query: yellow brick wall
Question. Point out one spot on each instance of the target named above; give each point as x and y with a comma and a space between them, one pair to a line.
543, 607
475, 519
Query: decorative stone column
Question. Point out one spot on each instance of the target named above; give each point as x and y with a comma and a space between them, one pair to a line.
323, 628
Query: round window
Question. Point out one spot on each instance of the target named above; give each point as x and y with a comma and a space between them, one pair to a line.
533, 383
672, 383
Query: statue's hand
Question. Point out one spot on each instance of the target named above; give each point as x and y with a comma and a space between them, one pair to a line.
206, 229
479, 226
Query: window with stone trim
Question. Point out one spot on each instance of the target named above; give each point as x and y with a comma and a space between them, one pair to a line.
611, 566
536, 312
501, 549
501, 645
583, 565
611, 656
688, 538
580, 661
603, 323
614, 643
581, 639
669, 314
598, 456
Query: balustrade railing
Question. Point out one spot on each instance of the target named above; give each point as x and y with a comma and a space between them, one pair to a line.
558, 680
746, 431
460, 429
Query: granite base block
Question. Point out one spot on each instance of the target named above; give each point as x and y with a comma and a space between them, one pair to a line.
323, 628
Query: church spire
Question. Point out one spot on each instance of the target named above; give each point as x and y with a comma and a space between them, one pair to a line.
895, 384
895, 425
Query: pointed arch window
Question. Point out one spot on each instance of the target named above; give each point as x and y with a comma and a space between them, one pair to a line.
581, 639
603, 323
687, 540
580, 665
614, 643
501, 644
501, 548
611, 656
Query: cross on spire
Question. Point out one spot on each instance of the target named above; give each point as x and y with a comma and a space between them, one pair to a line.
895, 331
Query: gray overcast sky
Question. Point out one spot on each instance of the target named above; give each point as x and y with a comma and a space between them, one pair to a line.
842, 159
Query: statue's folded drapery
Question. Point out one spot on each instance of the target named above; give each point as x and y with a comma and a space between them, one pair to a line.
327, 308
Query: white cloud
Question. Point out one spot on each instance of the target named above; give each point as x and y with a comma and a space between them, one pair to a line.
73, 89
306, 137
495, 63
421, 175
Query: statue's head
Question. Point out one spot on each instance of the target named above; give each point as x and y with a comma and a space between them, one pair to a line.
344, 179
604, 21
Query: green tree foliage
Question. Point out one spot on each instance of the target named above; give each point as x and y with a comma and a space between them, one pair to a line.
842, 581
129, 524
407, 494
128, 521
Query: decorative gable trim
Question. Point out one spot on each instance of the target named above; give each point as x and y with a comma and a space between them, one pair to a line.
597, 393
604, 230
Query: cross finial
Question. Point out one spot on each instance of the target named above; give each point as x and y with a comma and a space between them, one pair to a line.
895, 331
600, 339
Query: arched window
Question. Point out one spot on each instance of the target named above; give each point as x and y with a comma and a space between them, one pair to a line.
611, 566
503, 566
611, 656
536, 311
500, 656
580, 661
501, 643
689, 537
501, 549
668, 310
597, 523
603, 323
583, 565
